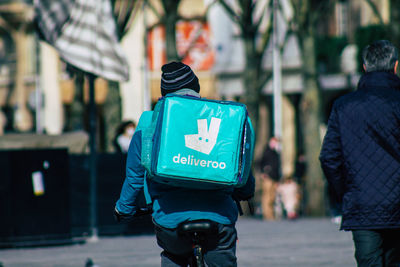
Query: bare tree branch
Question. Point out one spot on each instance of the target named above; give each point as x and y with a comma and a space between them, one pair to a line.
375, 10
268, 76
301, 13
130, 19
125, 13
5, 25
266, 36
152, 8
264, 12
231, 12
194, 18
192, 43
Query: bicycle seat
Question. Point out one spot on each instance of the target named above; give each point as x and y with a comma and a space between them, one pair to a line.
204, 226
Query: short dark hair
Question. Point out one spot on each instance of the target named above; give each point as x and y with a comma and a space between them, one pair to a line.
380, 56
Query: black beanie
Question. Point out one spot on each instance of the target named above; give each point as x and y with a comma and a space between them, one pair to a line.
176, 76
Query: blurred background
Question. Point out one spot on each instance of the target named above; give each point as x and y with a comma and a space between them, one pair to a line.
73, 71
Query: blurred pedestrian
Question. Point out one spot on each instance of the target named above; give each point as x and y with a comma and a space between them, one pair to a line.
300, 168
123, 136
360, 157
270, 167
289, 195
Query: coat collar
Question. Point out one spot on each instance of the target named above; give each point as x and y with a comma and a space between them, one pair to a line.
379, 79
187, 92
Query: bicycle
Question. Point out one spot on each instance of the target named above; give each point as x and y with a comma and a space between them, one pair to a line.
197, 231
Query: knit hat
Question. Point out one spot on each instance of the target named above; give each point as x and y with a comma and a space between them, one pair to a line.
176, 76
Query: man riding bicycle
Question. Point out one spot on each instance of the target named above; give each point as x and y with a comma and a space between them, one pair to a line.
173, 205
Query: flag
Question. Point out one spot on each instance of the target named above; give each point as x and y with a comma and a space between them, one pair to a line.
50, 17
84, 33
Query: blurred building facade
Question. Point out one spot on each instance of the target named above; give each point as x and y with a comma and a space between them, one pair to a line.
36, 91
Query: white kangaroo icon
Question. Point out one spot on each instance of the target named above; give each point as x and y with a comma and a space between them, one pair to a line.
206, 139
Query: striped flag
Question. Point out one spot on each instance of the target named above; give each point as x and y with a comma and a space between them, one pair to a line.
50, 17
84, 33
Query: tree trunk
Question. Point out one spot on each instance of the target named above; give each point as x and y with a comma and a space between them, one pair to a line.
170, 19
170, 39
251, 80
310, 107
76, 121
112, 114
394, 21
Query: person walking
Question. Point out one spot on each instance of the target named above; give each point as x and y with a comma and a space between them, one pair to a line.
123, 136
270, 173
360, 157
173, 205
288, 192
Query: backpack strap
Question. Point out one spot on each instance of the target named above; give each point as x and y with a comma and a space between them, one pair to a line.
147, 136
146, 190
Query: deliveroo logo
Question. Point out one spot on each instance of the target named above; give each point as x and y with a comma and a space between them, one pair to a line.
204, 142
206, 139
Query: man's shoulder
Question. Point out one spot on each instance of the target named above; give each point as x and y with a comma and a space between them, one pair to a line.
347, 98
368, 98
137, 139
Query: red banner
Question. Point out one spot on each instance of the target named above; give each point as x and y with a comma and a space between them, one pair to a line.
193, 44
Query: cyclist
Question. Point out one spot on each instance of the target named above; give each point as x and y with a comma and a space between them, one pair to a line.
174, 205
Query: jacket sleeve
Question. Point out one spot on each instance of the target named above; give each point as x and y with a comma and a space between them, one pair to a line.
331, 156
134, 180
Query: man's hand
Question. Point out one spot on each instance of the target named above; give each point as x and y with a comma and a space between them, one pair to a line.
119, 217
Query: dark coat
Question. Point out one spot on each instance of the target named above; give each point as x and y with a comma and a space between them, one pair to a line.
360, 154
270, 164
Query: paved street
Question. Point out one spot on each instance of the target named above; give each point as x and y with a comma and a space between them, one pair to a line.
305, 242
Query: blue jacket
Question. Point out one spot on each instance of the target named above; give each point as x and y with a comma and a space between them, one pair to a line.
360, 154
173, 205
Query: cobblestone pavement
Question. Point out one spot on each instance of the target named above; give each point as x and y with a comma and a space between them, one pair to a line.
305, 242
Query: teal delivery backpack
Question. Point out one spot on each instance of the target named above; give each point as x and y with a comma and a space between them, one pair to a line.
197, 143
